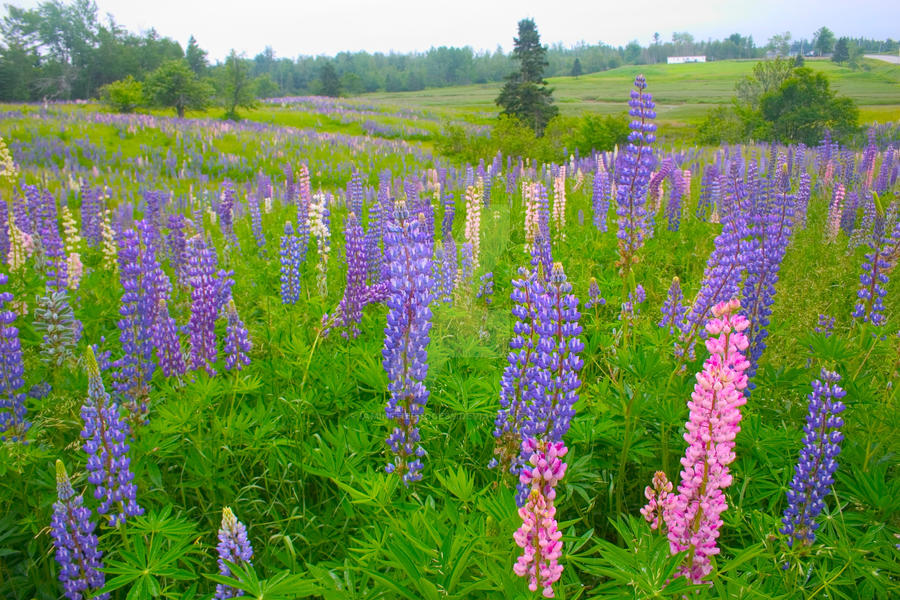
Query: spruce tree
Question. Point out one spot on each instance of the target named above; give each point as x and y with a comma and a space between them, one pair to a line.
331, 83
576, 68
525, 95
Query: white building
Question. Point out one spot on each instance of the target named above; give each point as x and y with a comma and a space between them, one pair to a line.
680, 60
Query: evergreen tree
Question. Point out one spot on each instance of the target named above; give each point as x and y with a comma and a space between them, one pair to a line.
576, 68
525, 95
331, 83
196, 57
841, 51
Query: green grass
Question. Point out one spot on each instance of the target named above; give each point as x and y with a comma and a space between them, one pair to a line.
683, 93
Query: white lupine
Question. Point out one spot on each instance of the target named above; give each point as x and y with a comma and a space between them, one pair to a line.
474, 194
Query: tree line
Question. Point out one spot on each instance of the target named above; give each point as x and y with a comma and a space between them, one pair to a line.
66, 51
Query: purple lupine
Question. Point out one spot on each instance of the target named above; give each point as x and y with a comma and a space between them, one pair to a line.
803, 193
722, 275
54, 251
355, 194
135, 367
600, 199
406, 339
234, 547
882, 182
814, 473
237, 339
167, 342
709, 191
594, 297
774, 226
77, 549
448, 269
12, 401
673, 208
486, 289
176, 247
105, 434
204, 305
825, 325
633, 174
873, 280
674, 310
225, 211
374, 256
349, 311
256, 222
466, 265
290, 266
91, 209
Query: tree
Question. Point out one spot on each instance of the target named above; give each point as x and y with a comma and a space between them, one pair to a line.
602, 133
525, 95
331, 83
124, 95
841, 51
196, 57
768, 75
236, 87
576, 68
823, 41
780, 43
174, 85
803, 107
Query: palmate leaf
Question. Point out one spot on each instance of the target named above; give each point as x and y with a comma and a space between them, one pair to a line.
281, 586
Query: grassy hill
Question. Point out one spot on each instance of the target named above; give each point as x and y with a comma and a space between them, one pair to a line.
683, 93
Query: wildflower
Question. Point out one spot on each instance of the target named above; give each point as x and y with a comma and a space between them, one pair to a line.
233, 547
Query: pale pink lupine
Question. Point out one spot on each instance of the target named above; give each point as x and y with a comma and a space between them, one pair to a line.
829, 172
659, 495
559, 202
21, 246
686, 182
834, 213
474, 195
531, 214
539, 537
693, 515
75, 270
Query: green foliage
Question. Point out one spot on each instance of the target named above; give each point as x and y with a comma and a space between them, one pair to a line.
803, 107
196, 57
329, 80
823, 41
264, 87
841, 51
602, 133
722, 124
576, 68
123, 96
525, 95
235, 86
175, 85
767, 76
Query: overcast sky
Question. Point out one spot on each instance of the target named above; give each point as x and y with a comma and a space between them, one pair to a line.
298, 27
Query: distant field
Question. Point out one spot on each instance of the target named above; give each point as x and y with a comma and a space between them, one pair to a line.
684, 93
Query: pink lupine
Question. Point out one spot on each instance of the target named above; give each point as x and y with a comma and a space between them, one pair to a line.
834, 213
659, 495
539, 536
693, 516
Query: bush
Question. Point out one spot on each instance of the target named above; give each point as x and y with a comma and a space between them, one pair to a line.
123, 96
601, 133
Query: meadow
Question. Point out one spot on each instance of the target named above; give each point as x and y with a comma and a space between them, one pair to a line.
303, 355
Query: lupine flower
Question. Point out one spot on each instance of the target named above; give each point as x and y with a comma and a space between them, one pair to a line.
176, 247
803, 193
486, 290
594, 297
8, 169
320, 225
406, 340
873, 280
12, 401
77, 551
225, 212
256, 223
233, 547
473, 223
21, 246
693, 517
673, 208
559, 203
237, 339
91, 207
290, 266
674, 309
110, 253
633, 174
825, 325
106, 434
167, 342
538, 536
204, 305
349, 312
814, 473
834, 213
773, 226
54, 318
658, 495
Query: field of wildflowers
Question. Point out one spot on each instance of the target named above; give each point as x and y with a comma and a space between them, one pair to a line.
250, 359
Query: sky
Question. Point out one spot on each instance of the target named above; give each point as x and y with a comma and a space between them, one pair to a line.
301, 27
